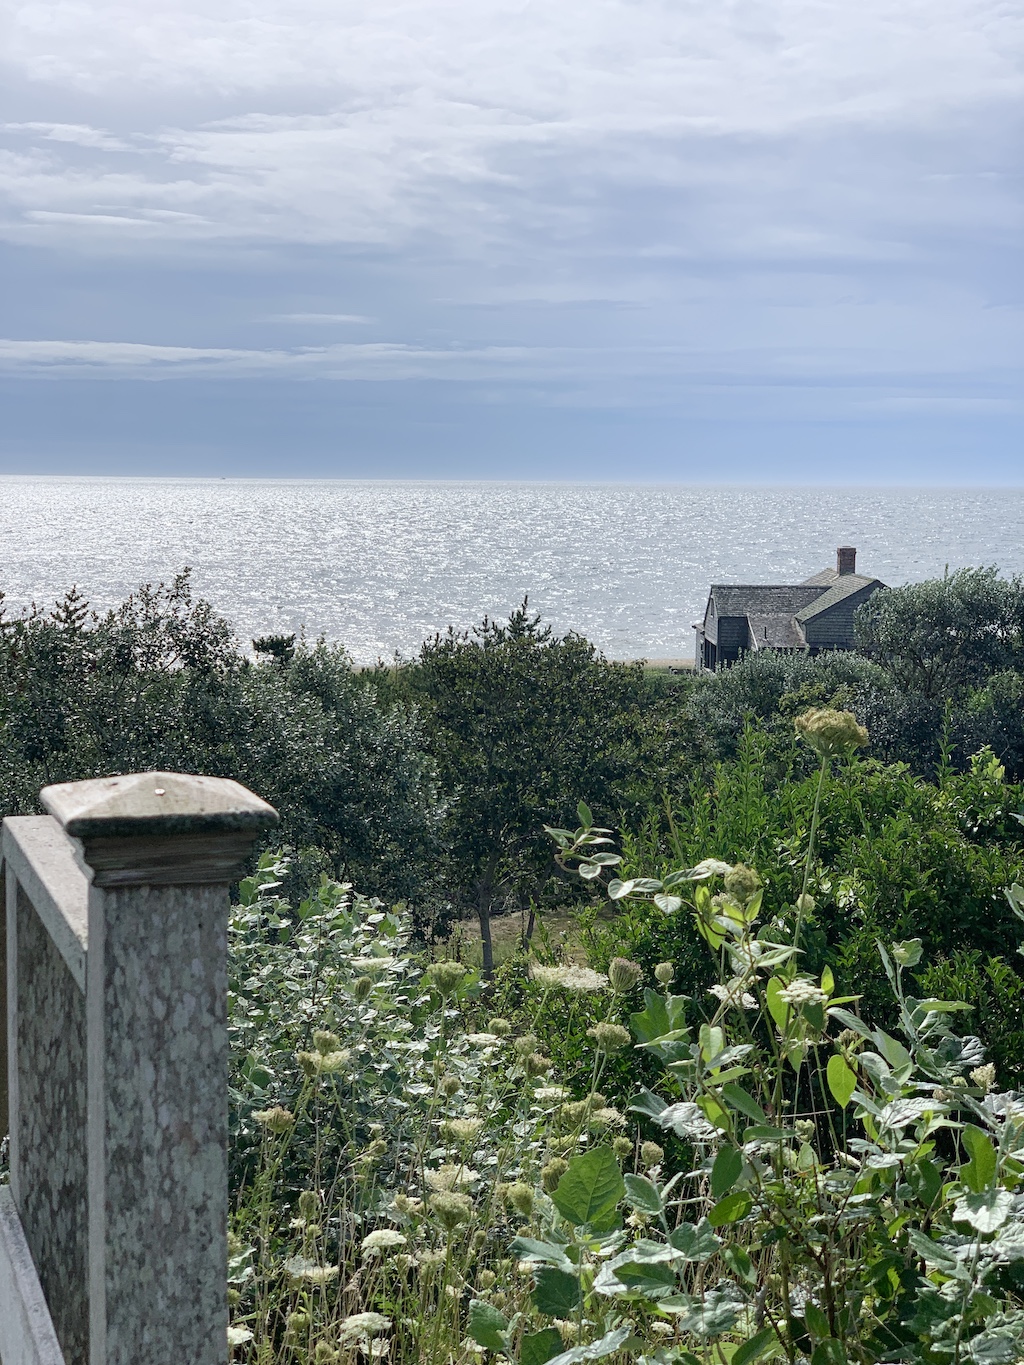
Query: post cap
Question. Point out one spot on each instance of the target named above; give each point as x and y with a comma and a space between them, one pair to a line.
156, 804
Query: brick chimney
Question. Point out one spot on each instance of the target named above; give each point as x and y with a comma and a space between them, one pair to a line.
846, 559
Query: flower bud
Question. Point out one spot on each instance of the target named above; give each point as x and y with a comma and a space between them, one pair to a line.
665, 973
552, 1173
831, 733
651, 1154
309, 1204
609, 1037
623, 974
363, 988
742, 882
622, 1147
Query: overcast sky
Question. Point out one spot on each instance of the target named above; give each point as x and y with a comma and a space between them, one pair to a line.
768, 240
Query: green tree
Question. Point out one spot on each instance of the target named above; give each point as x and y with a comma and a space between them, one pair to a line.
522, 724
938, 638
161, 683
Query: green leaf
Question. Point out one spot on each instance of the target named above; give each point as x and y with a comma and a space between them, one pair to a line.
549, 1253
585, 815
738, 1098
730, 1209
695, 1242
642, 1194
487, 1325
842, 1079
985, 1211
979, 1172
555, 1293
753, 1349
668, 904
538, 1347
777, 1008
925, 1179
828, 1352
596, 1350
726, 1171
739, 1263
590, 1188
661, 1015
816, 1321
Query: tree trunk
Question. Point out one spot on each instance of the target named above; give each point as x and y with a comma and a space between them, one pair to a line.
483, 910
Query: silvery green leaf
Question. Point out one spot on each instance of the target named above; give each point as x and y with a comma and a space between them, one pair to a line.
687, 1121
596, 1350
986, 1211
1009, 1245
899, 1113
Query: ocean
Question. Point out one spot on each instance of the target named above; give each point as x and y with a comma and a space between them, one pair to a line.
381, 566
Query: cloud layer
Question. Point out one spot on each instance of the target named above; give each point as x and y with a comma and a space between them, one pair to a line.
601, 201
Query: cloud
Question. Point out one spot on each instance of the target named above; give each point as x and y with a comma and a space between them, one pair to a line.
316, 318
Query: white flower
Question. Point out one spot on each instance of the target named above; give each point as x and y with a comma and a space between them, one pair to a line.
482, 1039
984, 1077
383, 1239
238, 1336
802, 992
550, 1094
299, 1270
569, 977
732, 995
360, 1327
450, 1177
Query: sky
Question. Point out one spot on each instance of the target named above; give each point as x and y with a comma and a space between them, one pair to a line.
669, 240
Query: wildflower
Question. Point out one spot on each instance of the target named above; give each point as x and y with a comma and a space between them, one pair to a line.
406, 1207
448, 1086
609, 1037
360, 1327
801, 992
552, 1173
567, 976
984, 1077
325, 1041
651, 1154
482, 1039
665, 973
663, 1329
804, 1129
501, 1027
445, 977
849, 1039
300, 1271
536, 1064
734, 996
323, 1063
430, 1260
487, 1279
520, 1196
576, 1112
623, 974
297, 1323
452, 1209
568, 1329
550, 1094
450, 1177
309, 1204
238, 1336
622, 1147
462, 1130
742, 882
324, 1353
275, 1120
525, 1045
805, 903
362, 989
373, 1153
606, 1118
831, 733
382, 1239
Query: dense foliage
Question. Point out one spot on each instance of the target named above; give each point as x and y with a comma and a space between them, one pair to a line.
416, 1183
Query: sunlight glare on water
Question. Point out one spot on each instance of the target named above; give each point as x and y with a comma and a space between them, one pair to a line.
380, 566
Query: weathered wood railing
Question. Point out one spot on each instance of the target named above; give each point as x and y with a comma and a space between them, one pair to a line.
113, 1227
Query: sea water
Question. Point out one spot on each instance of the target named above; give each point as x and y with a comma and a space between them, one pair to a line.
381, 566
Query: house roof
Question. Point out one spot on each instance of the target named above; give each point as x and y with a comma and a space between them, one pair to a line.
843, 586
775, 632
762, 599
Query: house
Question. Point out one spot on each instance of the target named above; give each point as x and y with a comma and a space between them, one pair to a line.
800, 618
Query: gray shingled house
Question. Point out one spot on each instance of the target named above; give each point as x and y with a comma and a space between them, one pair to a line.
803, 618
